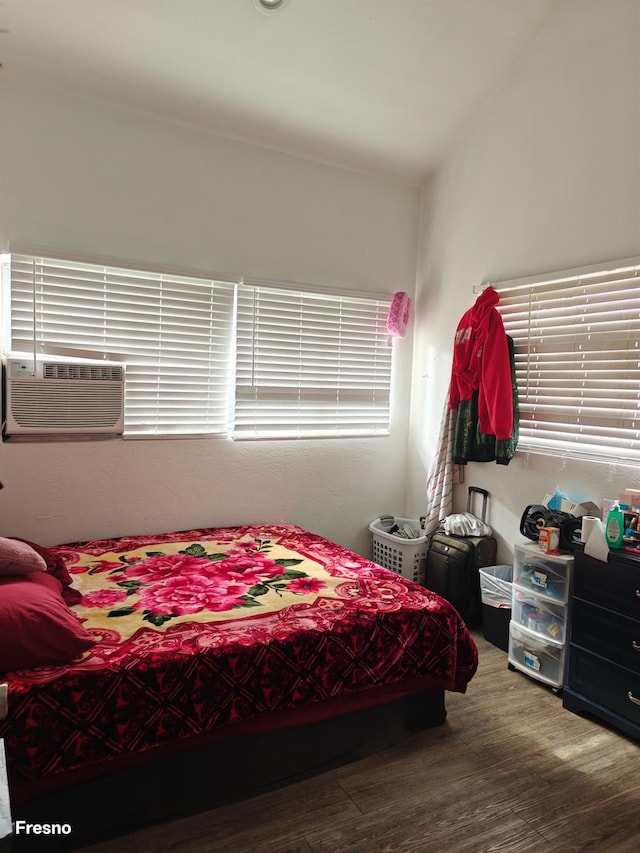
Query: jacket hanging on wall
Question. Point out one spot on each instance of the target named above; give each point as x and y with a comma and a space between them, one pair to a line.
472, 445
483, 390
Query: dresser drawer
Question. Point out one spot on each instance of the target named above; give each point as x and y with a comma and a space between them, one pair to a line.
607, 634
611, 686
613, 585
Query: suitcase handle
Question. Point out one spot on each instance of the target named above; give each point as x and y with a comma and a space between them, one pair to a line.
479, 490
485, 498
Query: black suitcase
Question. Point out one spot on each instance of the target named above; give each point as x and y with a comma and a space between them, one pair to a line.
454, 563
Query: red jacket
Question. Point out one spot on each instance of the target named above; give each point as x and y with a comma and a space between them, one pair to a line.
481, 362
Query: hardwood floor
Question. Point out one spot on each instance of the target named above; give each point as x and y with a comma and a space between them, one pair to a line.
509, 771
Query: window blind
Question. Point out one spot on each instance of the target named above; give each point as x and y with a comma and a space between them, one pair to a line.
577, 353
174, 332
310, 363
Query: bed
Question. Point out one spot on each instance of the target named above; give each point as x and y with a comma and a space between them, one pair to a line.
264, 650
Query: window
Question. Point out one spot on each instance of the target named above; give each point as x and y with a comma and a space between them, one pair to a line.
175, 334
310, 363
577, 351
307, 362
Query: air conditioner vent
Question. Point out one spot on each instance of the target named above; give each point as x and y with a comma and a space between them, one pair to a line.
78, 370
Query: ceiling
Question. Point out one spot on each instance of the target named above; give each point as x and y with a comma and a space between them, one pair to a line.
381, 86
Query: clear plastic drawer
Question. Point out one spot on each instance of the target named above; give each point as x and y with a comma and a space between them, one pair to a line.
545, 574
540, 616
540, 659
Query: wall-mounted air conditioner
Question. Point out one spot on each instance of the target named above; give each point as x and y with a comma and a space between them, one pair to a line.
58, 396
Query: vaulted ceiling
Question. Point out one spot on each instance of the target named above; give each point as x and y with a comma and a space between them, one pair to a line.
384, 86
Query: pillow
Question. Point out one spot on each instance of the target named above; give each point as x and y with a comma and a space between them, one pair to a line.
19, 558
36, 626
55, 566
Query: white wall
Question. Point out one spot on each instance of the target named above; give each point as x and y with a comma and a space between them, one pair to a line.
546, 177
87, 179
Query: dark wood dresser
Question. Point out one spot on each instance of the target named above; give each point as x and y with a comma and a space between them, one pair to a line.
603, 667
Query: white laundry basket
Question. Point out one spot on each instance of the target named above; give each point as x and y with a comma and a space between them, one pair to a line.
406, 557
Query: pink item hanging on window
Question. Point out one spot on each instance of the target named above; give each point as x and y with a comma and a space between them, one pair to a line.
398, 318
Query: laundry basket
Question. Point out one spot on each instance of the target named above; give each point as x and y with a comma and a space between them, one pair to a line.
406, 557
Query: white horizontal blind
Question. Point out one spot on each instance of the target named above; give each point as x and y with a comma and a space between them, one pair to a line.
175, 334
577, 352
310, 363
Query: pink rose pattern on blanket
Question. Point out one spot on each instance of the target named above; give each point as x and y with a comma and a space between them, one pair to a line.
163, 585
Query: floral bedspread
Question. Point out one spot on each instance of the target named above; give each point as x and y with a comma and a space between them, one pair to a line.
205, 628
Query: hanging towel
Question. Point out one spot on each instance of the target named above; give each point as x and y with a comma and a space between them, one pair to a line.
440, 476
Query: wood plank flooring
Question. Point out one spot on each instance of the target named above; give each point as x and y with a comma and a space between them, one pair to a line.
509, 771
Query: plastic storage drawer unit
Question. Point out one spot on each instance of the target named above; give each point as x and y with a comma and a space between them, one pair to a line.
538, 629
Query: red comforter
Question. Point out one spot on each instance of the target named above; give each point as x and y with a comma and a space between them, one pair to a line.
205, 629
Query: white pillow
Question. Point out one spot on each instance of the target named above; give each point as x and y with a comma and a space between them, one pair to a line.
18, 558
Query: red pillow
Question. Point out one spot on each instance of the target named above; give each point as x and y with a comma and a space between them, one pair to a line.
36, 626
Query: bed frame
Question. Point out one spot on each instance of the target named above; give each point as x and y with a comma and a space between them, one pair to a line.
180, 782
